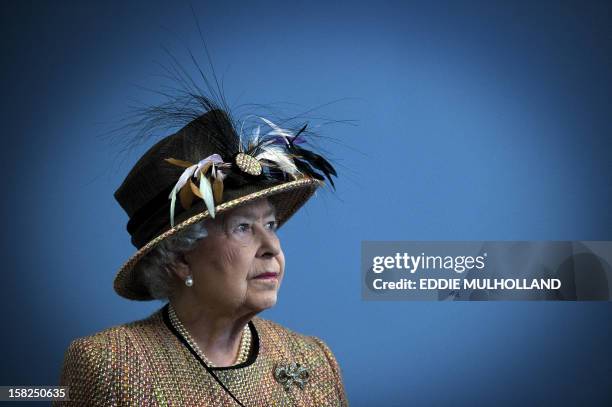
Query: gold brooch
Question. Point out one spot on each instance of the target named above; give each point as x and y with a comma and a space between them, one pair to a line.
290, 374
248, 164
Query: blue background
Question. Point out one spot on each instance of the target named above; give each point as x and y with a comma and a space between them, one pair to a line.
475, 120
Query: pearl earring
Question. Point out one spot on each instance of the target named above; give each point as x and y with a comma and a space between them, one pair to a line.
189, 281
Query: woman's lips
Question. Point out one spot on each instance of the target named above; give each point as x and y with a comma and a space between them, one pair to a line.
266, 276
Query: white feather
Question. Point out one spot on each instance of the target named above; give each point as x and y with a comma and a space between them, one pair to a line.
276, 130
188, 173
278, 156
256, 132
214, 158
172, 206
207, 195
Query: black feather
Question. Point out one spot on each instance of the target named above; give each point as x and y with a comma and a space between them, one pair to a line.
307, 169
315, 159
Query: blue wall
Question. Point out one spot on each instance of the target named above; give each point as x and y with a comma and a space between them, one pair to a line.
474, 120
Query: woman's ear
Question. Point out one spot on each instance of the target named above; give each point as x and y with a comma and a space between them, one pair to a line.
181, 268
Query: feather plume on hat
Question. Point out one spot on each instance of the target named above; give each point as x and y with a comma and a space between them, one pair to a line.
274, 156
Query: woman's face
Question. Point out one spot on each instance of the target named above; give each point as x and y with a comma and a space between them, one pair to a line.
239, 266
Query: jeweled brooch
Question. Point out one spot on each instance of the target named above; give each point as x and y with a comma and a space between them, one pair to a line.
248, 164
292, 373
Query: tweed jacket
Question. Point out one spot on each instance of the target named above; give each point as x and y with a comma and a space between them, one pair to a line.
147, 363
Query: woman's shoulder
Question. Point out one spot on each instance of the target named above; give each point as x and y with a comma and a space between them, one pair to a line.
94, 365
111, 346
118, 337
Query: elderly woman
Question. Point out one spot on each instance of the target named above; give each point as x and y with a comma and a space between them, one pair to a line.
204, 206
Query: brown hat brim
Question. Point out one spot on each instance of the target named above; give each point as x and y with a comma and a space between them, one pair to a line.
287, 198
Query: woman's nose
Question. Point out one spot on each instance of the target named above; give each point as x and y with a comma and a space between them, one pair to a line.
269, 245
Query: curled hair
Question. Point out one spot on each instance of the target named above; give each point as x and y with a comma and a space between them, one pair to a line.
156, 269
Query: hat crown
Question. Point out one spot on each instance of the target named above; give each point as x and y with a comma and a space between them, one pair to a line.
152, 175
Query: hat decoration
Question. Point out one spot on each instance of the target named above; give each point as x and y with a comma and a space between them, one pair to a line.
275, 155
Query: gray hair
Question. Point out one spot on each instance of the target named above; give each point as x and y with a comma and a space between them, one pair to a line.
155, 269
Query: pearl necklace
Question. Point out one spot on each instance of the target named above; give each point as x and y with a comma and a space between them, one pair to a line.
243, 351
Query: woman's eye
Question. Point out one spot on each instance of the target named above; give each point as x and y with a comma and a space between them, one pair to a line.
243, 227
272, 225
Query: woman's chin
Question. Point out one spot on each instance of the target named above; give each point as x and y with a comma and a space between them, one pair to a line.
263, 301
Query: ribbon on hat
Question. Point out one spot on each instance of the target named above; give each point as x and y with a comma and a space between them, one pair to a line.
187, 190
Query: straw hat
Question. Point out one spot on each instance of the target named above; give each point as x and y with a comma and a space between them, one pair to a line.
207, 168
